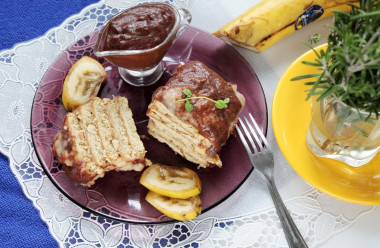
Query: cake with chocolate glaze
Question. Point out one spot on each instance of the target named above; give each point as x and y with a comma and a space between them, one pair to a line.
197, 135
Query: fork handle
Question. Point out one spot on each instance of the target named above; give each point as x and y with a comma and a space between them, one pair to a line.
292, 234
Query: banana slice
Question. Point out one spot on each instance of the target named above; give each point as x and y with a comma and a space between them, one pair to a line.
82, 83
171, 181
179, 209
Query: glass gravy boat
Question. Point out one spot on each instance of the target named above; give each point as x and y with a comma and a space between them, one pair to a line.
142, 67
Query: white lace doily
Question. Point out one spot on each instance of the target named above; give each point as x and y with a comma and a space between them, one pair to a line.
247, 219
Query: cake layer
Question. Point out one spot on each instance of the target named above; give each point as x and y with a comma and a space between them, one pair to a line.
97, 137
180, 136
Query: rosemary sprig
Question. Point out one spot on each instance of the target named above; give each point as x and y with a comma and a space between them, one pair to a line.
315, 38
220, 104
350, 66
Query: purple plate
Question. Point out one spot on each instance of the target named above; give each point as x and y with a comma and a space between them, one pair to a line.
119, 195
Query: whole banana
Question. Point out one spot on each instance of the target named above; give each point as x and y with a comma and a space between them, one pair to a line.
272, 20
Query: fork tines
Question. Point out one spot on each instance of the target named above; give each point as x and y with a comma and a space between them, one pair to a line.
251, 129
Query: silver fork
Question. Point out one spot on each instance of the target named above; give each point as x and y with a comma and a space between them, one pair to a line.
262, 160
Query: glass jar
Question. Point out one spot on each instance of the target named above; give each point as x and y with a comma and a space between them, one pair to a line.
340, 132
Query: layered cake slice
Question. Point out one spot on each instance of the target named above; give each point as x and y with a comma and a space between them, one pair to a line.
97, 137
196, 127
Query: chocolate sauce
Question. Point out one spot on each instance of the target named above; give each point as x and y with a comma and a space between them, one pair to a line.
141, 27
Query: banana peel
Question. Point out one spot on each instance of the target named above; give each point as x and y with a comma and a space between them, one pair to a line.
272, 20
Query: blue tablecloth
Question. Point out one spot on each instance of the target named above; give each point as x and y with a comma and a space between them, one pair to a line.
20, 20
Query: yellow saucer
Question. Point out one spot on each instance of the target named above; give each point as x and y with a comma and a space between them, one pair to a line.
290, 119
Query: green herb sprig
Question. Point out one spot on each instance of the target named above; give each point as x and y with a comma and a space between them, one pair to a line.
220, 104
315, 38
350, 66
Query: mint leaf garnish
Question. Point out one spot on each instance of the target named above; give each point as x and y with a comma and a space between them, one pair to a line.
219, 104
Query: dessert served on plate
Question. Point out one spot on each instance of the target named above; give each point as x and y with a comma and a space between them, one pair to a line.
97, 137
100, 135
195, 113
90, 142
